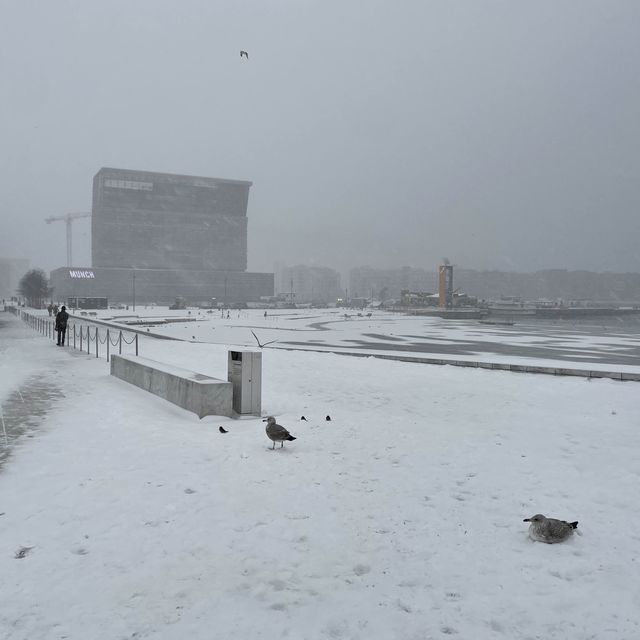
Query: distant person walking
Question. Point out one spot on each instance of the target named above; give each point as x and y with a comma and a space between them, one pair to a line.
61, 325
50, 308
55, 310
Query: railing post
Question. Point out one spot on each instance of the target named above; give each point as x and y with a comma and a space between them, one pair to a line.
80, 337
108, 344
120, 343
74, 335
97, 341
88, 339
136, 344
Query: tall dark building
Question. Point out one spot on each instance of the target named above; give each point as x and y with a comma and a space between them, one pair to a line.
164, 221
157, 236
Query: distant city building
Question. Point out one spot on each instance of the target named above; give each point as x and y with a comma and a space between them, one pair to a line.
11, 271
164, 221
388, 284
156, 236
552, 284
308, 284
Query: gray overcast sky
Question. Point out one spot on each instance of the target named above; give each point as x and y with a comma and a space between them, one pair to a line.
501, 134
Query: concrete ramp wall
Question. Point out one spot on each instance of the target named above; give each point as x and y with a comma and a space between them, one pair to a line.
203, 395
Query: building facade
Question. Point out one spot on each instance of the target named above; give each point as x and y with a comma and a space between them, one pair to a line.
306, 284
161, 286
164, 221
157, 236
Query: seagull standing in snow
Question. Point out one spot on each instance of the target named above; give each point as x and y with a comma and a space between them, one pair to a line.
549, 530
276, 432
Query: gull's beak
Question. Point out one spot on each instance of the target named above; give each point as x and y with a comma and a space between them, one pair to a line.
527, 520
264, 420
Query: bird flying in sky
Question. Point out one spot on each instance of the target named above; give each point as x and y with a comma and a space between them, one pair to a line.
244, 54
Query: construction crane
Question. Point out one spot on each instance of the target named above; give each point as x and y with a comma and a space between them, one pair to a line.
68, 218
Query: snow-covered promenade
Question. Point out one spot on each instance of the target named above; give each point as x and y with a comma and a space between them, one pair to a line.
399, 518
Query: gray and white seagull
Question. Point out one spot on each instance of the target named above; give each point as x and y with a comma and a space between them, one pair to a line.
244, 54
549, 530
276, 432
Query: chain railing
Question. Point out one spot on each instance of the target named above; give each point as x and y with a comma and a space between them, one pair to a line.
83, 337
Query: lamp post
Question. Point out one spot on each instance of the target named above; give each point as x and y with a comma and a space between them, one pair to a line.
134, 288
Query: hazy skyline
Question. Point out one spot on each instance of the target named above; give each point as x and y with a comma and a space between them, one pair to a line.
501, 134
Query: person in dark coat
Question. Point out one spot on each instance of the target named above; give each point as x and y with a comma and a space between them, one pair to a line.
61, 325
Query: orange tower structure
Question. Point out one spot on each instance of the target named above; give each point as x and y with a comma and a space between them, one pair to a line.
445, 286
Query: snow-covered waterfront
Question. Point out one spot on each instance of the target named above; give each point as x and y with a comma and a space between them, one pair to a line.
596, 344
400, 518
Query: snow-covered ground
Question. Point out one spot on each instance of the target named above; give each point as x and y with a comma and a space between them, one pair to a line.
399, 518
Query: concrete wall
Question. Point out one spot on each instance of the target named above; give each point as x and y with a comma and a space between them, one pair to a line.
203, 395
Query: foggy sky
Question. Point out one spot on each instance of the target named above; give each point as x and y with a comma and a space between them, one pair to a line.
501, 134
